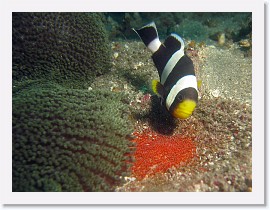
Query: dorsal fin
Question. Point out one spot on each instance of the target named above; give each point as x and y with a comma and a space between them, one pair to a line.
174, 42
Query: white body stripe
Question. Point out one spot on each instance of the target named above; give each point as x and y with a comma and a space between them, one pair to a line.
154, 45
171, 64
173, 60
184, 82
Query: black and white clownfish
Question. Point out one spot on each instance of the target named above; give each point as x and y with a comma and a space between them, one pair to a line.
178, 84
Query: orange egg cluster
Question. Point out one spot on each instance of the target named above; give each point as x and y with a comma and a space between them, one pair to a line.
157, 153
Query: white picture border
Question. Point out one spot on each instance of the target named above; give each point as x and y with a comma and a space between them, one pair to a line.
257, 196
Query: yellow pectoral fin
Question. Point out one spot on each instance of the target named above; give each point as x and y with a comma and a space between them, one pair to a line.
154, 86
184, 109
158, 88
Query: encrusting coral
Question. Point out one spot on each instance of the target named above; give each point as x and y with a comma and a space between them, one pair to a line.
68, 139
61, 47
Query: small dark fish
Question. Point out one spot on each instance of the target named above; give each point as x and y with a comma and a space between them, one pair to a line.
178, 84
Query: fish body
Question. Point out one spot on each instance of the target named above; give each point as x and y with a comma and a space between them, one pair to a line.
177, 86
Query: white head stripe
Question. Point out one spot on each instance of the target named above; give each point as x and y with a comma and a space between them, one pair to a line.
154, 45
184, 82
171, 64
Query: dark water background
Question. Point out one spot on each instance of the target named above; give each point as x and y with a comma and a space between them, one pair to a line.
198, 26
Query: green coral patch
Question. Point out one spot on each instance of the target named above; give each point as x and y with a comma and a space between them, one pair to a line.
68, 139
68, 48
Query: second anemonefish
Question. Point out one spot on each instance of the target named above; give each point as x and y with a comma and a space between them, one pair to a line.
178, 84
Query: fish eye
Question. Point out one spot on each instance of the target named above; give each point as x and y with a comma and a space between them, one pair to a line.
180, 98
